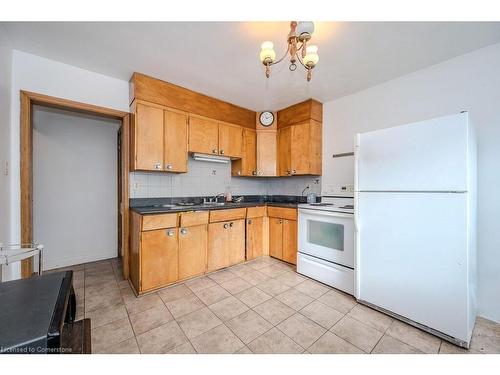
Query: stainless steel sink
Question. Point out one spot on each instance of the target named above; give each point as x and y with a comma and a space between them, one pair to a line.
211, 204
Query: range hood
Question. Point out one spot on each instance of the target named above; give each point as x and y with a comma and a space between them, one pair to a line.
211, 158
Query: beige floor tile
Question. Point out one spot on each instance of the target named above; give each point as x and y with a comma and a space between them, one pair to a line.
101, 317
198, 322
200, 283
390, 345
128, 346
240, 269
357, 333
272, 270
248, 326
486, 337
290, 279
184, 306
330, 343
218, 340
123, 284
236, 285
228, 308
98, 277
312, 288
185, 348
320, 313
113, 333
149, 319
301, 330
286, 266
272, 287
100, 289
274, 342
244, 350
414, 337
174, 292
99, 301
449, 348
212, 295
161, 339
257, 264
339, 301
221, 276
255, 277
294, 299
253, 297
135, 304
274, 311
371, 317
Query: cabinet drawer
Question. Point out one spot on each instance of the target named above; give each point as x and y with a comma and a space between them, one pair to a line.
152, 222
225, 215
256, 212
189, 219
282, 212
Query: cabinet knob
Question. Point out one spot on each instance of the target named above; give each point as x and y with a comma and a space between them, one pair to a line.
169, 166
222, 152
249, 221
261, 173
157, 165
239, 173
214, 151
254, 173
226, 226
184, 231
280, 221
294, 171
231, 224
170, 233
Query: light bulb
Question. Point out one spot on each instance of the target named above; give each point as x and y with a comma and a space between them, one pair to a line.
311, 58
267, 54
305, 27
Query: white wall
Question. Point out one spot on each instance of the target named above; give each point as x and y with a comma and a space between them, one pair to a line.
75, 203
40, 75
469, 82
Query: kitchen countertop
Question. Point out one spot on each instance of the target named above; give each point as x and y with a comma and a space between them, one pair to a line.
154, 206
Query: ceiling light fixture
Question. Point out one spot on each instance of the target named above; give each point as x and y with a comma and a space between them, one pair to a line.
298, 37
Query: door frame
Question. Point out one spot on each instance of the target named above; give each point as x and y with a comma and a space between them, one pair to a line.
28, 99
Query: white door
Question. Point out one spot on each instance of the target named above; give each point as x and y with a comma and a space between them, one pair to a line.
411, 254
424, 156
327, 235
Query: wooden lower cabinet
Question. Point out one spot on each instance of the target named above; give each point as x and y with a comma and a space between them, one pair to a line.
276, 237
192, 251
255, 237
159, 258
283, 239
226, 244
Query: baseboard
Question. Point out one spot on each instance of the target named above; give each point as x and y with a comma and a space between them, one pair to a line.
49, 264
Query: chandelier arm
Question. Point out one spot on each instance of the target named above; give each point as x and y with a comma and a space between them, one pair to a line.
301, 62
280, 60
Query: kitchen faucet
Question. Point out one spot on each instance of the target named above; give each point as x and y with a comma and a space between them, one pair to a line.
213, 199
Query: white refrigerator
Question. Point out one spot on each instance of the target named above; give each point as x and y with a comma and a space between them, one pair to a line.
415, 220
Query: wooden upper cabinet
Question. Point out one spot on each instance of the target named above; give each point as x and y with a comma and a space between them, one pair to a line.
148, 138
284, 151
299, 149
203, 135
267, 153
230, 140
175, 141
289, 244
247, 165
315, 147
159, 258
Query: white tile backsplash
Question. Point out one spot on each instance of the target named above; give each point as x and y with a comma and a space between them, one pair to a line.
206, 178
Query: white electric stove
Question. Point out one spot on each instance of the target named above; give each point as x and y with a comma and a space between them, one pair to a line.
326, 242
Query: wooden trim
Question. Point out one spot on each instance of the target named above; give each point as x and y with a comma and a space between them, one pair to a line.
300, 112
157, 91
28, 99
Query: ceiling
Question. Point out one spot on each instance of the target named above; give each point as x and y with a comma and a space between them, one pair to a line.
220, 59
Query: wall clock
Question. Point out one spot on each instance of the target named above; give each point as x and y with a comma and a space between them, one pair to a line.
266, 118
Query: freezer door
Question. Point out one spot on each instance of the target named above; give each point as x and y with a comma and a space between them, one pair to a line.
411, 257
424, 156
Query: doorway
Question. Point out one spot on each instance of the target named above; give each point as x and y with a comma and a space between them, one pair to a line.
29, 103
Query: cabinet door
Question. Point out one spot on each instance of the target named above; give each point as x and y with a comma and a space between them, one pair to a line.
218, 239
175, 141
299, 149
148, 138
192, 251
255, 237
236, 245
159, 258
247, 165
230, 140
290, 241
276, 237
267, 153
284, 151
315, 147
203, 135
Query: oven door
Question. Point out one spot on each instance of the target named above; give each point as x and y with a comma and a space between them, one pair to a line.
327, 235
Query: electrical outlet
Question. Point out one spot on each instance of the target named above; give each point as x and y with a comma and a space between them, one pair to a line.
6, 168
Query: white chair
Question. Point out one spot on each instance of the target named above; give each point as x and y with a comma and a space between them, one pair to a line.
19, 252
